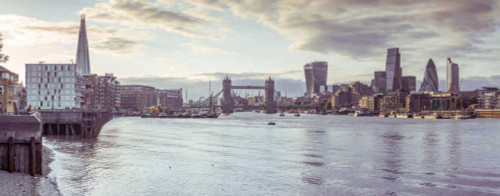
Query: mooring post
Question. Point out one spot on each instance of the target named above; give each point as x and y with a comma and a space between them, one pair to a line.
33, 157
11, 155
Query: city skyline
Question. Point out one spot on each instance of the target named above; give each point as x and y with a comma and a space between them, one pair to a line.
120, 47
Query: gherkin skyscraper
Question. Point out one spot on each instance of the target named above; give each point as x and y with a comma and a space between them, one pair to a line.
431, 82
82, 52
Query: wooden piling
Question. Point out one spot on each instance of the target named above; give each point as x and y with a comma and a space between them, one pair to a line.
33, 157
11, 155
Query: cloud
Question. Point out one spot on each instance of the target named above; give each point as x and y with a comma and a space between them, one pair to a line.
205, 49
117, 45
151, 14
27, 31
360, 28
251, 75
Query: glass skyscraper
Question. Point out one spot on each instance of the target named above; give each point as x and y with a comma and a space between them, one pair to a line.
452, 77
82, 52
316, 74
431, 82
393, 70
379, 82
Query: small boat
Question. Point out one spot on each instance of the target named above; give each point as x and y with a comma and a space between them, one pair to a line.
362, 113
282, 114
271, 123
297, 114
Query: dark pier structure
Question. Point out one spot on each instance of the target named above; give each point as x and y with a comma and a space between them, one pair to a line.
228, 103
75, 122
21, 144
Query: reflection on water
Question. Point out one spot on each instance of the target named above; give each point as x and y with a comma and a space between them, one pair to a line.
312, 155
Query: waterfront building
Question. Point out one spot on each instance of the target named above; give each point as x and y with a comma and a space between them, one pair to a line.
170, 99
452, 77
393, 102
111, 92
445, 101
54, 86
137, 97
20, 92
409, 83
8, 95
82, 52
371, 103
417, 102
489, 98
346, 97
94, 92
366, 102
379, 82
362, 89
393, 70
430, 82
335, 88
316, 74
101, 92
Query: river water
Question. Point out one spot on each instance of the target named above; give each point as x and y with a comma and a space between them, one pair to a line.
240, 154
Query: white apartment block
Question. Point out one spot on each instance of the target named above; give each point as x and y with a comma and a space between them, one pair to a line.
54, 86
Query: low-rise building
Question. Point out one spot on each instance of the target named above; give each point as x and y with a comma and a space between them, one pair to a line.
418, 102
8, 95
489, 98
137, 97
170, 99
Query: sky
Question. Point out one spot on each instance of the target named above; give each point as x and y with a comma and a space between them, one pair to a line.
184, 44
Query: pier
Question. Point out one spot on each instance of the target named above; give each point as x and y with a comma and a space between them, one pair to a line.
77, 122
21, 144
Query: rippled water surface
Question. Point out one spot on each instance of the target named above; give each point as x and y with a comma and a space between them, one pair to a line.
240, 154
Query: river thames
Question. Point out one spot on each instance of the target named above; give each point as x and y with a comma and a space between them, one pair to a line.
240, 154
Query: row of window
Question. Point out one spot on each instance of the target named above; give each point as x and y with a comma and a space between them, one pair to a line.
49, 80
52, 104
51, 98
51, 86
50, 92
49, 74
50, 68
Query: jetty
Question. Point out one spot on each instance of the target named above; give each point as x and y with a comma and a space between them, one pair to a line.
21, 144
85, 123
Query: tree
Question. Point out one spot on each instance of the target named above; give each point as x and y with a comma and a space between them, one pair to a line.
3, 58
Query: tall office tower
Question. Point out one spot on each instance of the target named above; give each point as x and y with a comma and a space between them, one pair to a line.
82, 52
409, 83
431, 82
379, 82
452, 77
54, 86
316, 75
393, 70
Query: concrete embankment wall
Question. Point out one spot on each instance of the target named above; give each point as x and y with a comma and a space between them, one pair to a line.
488, 113
21, 144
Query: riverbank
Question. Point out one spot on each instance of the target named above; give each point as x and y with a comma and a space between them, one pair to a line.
25, 184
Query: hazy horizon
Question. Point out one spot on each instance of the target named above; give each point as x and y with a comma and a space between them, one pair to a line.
181, 44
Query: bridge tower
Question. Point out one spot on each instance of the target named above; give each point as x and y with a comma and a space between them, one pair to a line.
271, 105
227, 99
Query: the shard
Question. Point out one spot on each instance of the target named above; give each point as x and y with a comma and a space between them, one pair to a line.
431, 82
82, 52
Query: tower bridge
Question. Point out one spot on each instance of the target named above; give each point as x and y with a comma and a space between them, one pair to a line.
227, 103
270, 105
